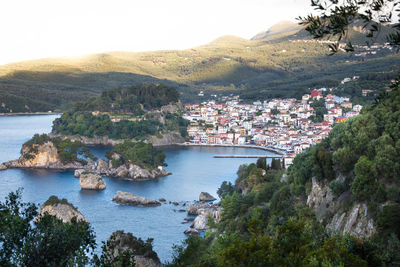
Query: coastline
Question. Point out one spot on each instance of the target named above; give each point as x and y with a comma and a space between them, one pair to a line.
28, 114
232, 145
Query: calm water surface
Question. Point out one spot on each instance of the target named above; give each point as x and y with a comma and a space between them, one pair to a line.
193, 170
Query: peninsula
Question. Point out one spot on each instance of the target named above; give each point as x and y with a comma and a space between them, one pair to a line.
149, 113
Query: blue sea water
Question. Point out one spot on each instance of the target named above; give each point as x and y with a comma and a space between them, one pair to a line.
193, 170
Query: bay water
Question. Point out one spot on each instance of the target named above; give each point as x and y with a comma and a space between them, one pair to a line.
193, 170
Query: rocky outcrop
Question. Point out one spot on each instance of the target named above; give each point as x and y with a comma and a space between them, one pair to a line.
120, 242
102, 166
355, 221
3, 167
206, 197
125, 198
141, 261
320, 198
93, 181
60, 209
77, 173
44, 155
197, 208
41, 156
134, 172
17, 164
170, 138
203, 212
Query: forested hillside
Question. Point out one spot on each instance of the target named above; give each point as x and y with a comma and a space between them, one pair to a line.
337, 205
282, 65
135, 112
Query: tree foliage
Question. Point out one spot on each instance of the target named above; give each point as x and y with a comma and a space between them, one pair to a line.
48, 242
335, 18
139, 153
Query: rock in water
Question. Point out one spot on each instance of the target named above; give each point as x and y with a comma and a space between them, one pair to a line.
204, 212
204, 196
197, 208
102, 166
3, 167
90, 180
61, 209
126, 198
78, 172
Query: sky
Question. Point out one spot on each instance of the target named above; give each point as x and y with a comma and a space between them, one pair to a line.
32, 29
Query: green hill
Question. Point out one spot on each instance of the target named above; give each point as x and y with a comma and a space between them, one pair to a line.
337, 205
285, 64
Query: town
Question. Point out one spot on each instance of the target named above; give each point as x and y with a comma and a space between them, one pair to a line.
285, 126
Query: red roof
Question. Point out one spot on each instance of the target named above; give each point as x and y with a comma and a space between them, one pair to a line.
315, 93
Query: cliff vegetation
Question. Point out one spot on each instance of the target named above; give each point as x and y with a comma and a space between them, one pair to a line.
337, 205
142, 154
67, 151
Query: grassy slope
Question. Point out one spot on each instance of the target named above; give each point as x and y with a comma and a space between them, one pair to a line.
275, 66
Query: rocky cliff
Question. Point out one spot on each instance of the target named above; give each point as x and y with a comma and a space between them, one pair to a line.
120, 243
60, 209
356, 220
171, 138
41, 156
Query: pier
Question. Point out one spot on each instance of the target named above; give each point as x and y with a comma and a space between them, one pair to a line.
249, 156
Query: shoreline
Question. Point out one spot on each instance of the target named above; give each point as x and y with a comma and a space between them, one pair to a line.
28, 114
228, 145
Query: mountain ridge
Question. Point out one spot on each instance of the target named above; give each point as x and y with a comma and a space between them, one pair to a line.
283, 65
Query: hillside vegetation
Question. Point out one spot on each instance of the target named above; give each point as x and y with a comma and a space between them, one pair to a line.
283, 65
136, 112
267, 218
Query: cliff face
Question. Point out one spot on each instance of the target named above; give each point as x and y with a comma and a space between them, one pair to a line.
355, 221
46, 154
144, 256
170, 138
64, 212
41, 156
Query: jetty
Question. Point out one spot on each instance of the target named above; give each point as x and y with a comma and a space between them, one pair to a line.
249, 156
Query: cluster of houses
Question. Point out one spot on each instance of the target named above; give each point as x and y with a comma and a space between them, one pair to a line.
284, 125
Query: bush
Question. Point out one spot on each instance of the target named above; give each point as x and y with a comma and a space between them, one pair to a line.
389, 220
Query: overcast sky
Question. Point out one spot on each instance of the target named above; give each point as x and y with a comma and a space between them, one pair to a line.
31, 29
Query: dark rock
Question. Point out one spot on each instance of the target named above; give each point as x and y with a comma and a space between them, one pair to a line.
126, 198
204, 196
